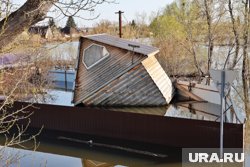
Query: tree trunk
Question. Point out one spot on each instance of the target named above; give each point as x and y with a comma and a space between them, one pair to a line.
236, 36
201, 74
245, 66
210, 35
30, 13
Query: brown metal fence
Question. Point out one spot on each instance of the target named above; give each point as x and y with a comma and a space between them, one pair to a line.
152, 129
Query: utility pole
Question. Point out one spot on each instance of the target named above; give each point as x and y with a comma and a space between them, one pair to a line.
120, 22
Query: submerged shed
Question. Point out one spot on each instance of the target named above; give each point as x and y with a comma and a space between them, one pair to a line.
116, 72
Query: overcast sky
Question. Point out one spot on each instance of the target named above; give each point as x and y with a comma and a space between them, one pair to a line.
107, 11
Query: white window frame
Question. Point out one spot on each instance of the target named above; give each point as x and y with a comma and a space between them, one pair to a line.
98, 60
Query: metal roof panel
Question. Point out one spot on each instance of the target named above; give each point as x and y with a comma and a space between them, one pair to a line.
123, 43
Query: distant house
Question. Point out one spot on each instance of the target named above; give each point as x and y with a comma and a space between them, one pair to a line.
44, 31
111, 73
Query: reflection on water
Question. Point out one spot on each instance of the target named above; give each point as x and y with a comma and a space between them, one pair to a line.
35, 159
40, 159
62, 79
63, 51
55, 153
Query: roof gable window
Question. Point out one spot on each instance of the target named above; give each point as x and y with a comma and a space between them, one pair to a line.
93, 55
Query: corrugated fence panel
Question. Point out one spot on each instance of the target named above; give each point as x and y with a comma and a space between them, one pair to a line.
152, 129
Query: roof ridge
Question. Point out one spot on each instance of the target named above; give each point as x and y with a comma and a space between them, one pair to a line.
123, 43
92, 35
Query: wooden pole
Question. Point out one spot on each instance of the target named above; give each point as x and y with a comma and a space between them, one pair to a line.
120, 22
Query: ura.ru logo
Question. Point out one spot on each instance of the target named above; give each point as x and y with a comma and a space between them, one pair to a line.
215, 158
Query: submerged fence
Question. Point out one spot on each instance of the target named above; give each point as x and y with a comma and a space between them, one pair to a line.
62, 79
167, 131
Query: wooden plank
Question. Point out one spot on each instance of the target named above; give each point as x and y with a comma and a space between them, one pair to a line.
159, 77
187, 93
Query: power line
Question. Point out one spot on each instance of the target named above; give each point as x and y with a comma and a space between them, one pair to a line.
125, 18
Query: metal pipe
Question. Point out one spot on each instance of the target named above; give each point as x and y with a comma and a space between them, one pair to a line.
133, 47
65, 77
222, 113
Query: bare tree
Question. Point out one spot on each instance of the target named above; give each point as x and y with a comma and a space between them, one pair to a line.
25, 81
14, 123
34, 11
236, 34
245, 65
207, 5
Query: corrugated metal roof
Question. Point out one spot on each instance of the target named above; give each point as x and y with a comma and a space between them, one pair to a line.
88, 81
123, 43
134, 88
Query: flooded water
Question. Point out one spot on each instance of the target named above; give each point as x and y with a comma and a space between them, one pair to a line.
67, 153
62, 79
63, 51
56, 152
